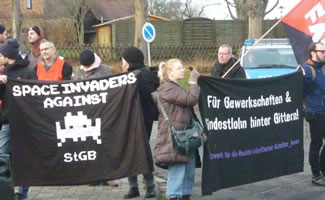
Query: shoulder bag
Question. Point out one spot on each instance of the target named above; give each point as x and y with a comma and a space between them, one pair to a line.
188, 139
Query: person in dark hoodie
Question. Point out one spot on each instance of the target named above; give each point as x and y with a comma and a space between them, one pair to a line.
133, 59
3, 34
91, 66
15, 67
35, 36
225, 62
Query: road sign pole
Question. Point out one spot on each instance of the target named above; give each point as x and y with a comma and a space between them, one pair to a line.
148, 34
149, 55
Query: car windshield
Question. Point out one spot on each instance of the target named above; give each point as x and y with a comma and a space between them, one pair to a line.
270, 58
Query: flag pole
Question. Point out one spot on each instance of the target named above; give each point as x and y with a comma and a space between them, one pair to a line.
267, 32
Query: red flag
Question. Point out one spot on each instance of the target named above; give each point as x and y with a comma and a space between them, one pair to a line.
305, 24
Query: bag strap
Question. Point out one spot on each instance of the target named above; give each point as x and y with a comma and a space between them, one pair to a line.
313, 77
162, 108
313, 72
167, 119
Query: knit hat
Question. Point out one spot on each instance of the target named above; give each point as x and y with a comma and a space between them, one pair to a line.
133, 55
10, 49
36, 29
2, 28
87, 57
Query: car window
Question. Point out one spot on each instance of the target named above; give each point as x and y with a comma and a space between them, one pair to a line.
268, 57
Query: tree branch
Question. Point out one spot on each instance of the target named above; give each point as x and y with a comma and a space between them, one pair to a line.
201, 11
230, 12
187, 10
230, 4
274, 6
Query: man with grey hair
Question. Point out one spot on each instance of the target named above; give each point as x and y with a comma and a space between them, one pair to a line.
225, 62
52, 67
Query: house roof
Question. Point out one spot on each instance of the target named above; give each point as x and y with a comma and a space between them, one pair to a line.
112, 9
130, 17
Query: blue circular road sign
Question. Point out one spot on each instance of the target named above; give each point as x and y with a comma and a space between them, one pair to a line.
148, 32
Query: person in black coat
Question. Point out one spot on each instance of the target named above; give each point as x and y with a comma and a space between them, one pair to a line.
133, 59
225, 62
15, 67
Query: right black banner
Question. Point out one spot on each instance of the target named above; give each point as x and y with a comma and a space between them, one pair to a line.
254, 128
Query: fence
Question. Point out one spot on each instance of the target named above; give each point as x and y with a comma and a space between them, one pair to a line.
158, 52
195, 30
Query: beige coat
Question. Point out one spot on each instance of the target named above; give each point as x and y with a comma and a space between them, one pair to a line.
177, 103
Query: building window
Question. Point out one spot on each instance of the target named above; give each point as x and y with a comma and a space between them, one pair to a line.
29, 4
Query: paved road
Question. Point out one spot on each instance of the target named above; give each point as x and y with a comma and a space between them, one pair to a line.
292, 187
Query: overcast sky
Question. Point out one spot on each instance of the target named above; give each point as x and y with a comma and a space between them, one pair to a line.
220, 11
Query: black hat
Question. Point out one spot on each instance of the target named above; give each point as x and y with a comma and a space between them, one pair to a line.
2, 28
133, 55
10, 49
87, 57
36, 29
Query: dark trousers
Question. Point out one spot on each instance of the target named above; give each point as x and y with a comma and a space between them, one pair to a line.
149, 179
148, 124
316, 149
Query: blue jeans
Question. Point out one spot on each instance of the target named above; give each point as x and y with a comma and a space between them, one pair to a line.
5, 149
4, 139
23, 190
181, 178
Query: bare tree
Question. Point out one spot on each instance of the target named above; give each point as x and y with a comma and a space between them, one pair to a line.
16, 19
175, 9
241, 11
79, 10
190, 11
140, 19
254, 11
240, 7
166, 8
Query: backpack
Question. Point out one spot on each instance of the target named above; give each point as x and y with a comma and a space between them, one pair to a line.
313, 77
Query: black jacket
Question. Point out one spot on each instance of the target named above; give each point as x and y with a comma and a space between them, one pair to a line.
218, 70
148, 83
20, 70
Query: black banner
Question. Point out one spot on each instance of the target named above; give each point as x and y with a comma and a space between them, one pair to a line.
255, 129
77, 132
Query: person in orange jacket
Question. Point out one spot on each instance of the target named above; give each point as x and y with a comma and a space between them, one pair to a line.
52, 67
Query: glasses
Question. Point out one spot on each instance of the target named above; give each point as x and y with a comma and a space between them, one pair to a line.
322, 51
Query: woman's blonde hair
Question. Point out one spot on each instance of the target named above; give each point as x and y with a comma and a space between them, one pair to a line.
165, 67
